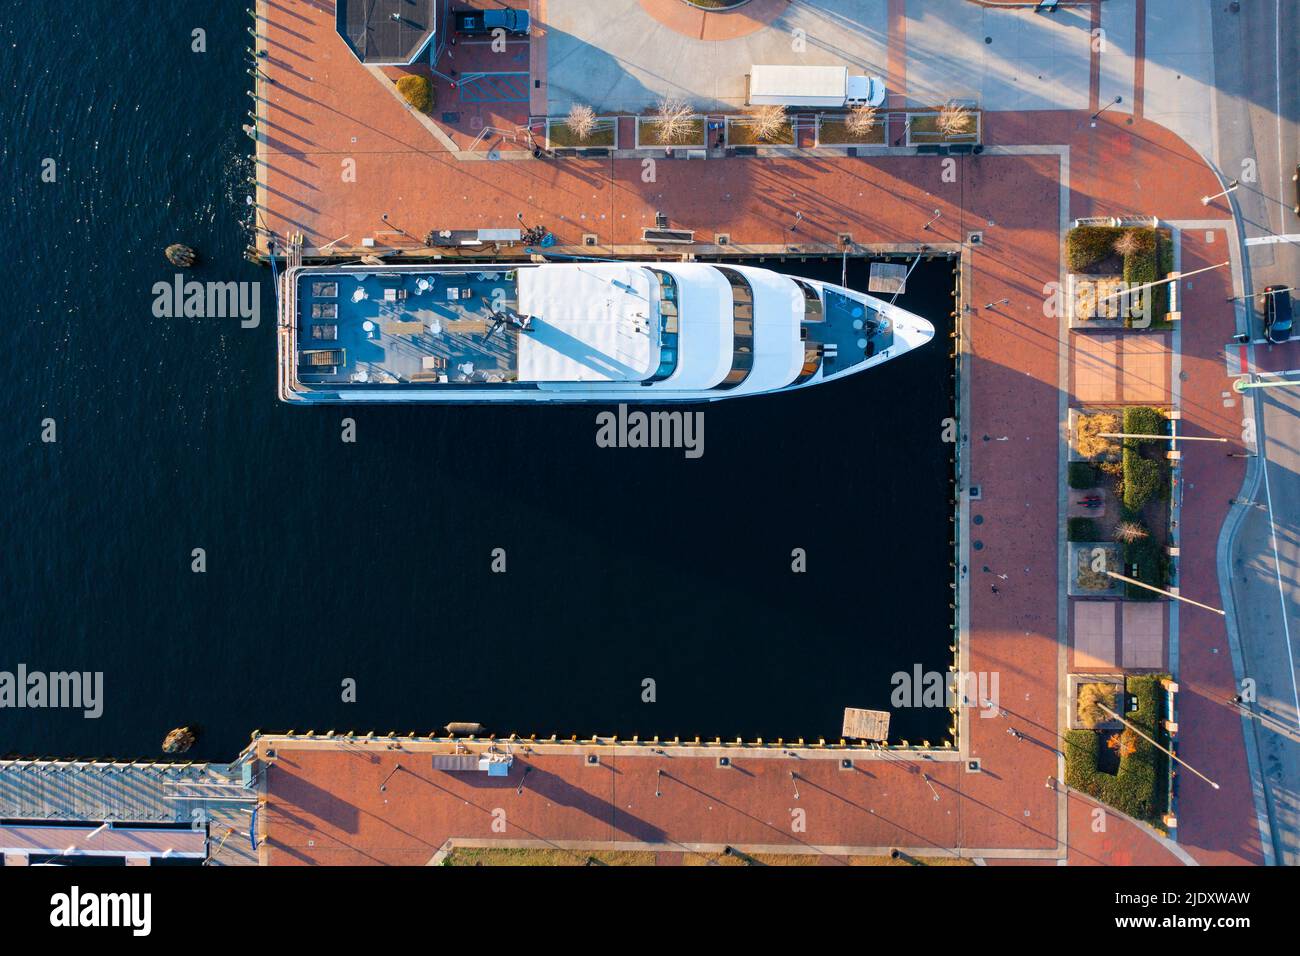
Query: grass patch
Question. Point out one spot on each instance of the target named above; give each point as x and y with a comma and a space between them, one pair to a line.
1083, 475
1140, 785
836, 132
1082, 529
604, 135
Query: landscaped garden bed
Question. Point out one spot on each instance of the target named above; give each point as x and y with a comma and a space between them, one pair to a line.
1100, 257
1145, 494
1136, 783
1128, 481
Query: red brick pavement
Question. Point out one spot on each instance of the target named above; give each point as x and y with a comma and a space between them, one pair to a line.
1217, 827
1114, 169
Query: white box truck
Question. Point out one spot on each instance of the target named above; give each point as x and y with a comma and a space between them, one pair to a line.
827, 87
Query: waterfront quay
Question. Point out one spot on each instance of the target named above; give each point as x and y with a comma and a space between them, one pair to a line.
344, 169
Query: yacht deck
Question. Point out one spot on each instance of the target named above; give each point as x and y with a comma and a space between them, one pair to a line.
400, 327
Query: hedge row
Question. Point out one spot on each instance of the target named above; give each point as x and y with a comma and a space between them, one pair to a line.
1152, 567
1085, 246
1083, 475
1144, 478
1140, 788
1082, 529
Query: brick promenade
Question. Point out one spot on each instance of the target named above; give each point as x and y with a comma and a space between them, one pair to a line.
326, 108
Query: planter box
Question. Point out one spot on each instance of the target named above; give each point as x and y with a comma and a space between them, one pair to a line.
923, 128
647, 134
832, 130
740, 133
1081, 555
1076, 682
604, 136
1089, 301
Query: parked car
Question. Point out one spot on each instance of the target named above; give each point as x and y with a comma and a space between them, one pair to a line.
1295, 178
481, 22
1277, 313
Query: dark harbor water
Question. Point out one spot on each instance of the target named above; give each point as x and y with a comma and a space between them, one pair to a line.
371, 561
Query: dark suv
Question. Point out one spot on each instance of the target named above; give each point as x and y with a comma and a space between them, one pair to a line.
1277, 313
481, 22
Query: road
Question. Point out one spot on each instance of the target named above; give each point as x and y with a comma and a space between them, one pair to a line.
1258, 142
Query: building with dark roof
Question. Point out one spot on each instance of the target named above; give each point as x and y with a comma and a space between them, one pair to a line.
387, 32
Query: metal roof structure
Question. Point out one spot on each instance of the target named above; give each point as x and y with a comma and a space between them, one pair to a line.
391, 32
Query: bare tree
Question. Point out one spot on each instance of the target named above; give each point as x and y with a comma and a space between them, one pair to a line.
581, 121
767, 121
1128, 243
953, 119
1130, 531
862, 120
673, 120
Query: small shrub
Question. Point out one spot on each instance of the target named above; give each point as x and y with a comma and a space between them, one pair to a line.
1083, 475
417, 91
954, 119
1125, 744
1088, 430
1082, 529
1091, 697
1144, 420
1130, 531
1128, 243
1145, 561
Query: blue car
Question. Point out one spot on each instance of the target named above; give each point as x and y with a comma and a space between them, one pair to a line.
482, 22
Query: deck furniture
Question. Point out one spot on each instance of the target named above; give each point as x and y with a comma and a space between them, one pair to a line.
403, 328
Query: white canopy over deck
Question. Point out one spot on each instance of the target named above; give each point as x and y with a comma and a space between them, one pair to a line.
594, 322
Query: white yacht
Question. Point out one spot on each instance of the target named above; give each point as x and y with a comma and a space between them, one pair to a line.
599, 331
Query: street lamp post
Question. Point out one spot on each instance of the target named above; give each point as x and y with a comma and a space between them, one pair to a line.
1171, 594
397, 227
1114, 102
937, 214
1206, 200
1240, 386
